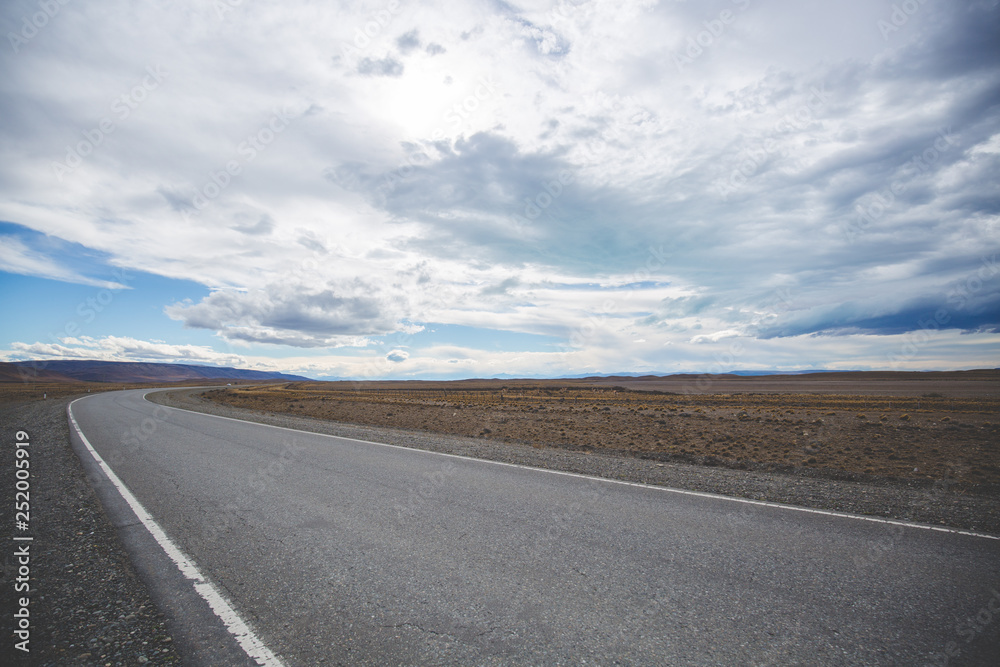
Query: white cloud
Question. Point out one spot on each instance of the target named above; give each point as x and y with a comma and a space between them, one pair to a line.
929, 350
341, 174
297, 314
117, 348
397, 356
16, 257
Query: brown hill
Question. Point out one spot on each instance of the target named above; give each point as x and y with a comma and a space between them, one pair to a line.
25, 373
128, 372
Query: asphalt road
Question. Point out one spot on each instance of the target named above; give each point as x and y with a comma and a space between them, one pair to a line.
345, 552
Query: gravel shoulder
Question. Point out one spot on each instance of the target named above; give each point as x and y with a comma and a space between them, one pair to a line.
927, 503
87, 605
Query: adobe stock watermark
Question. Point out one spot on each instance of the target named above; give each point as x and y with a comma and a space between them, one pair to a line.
372, 28
571, 514
969, 629
246, 152
959, 295
656, 259
121, 108
881, 201
429, 486
266, 475
563, 10
958, 299
462, 111
223, 7
899, 17
263, 479
132, 440
86, 312
757, 156
88, 309
30, 27
594, 149
892, 534
722, 363
456, 116
544, 198
704, 39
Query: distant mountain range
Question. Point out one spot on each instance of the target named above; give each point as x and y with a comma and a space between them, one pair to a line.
127, 371
581, 376
653, 374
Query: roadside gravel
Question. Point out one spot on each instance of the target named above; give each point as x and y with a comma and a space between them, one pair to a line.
87, 606
920, 502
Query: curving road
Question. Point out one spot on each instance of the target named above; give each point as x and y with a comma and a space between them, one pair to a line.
329, 550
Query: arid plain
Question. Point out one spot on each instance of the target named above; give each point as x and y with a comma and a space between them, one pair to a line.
904, 426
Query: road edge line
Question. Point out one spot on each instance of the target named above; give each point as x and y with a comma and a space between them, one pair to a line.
669, 489
251, 644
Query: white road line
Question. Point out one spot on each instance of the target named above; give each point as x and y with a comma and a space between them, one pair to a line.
667, 489
246, 638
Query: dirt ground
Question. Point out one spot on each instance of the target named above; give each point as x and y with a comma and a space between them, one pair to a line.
951, 384
950, 430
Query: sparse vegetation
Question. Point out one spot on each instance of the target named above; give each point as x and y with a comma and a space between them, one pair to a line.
932, 439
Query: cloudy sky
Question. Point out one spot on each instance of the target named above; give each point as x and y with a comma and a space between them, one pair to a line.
394, 189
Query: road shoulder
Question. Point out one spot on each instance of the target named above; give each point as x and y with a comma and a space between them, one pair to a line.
928, 504
88, 605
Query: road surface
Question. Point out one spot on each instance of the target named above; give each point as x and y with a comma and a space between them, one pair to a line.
320, 549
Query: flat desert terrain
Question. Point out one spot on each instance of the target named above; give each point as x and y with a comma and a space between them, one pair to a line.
932, 427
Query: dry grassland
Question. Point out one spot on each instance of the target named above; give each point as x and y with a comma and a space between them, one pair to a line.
922, 437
